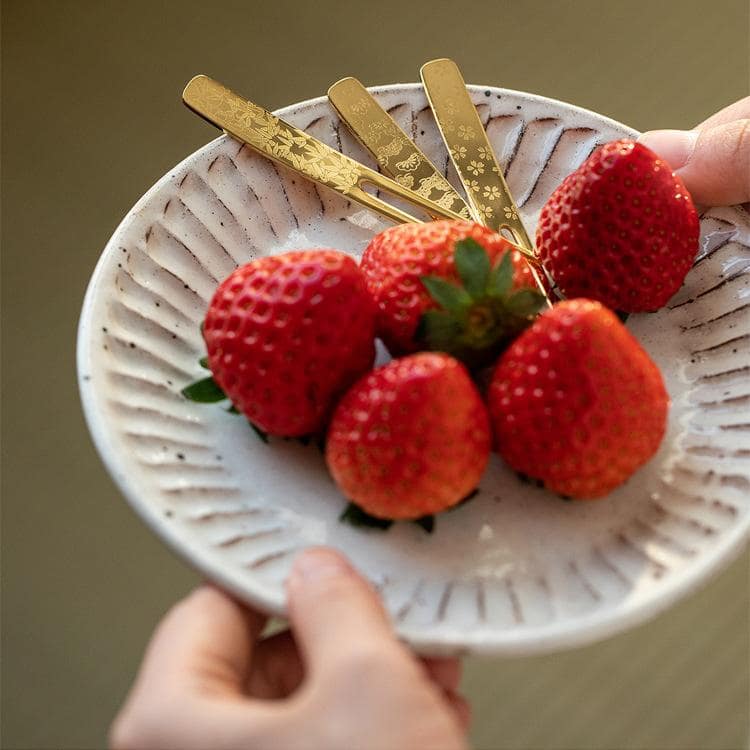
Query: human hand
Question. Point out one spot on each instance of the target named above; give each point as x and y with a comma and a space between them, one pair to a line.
207, 681
713, 159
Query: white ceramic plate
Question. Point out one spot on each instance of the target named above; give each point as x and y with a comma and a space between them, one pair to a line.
516, 570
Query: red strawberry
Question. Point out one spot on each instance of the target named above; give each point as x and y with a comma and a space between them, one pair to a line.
409, 439
396, 260
621, 229
576, 402
287, 334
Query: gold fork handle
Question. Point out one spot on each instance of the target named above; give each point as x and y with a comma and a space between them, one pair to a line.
471, 152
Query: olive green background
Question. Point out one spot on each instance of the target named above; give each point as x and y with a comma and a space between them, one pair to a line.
91, 118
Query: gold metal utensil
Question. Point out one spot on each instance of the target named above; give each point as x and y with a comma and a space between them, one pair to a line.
464, 135
300, 152
393, 150
470, 150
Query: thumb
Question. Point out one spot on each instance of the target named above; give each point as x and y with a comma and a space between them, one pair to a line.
334, 612
714, 162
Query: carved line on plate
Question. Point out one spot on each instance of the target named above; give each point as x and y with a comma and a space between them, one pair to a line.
443, 603
663, 538
599, 555
723, 374
144, 321
184, 289
201, 490
733, 340
736, 481
706, 292
692, 523
481, 595
659, 568
703, 323
213, 194
164, 441
254, 196
169, 223
685, 496
161, 364
151, 414
516, 146
712, 451
515, 604
282, 185
165, 305
251, 536
212, 515
721, 404
270, 557
185, 467
172, 237
129, 380
590, 589
405, 608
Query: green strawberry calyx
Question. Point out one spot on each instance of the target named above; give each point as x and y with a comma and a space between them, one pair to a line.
477, 319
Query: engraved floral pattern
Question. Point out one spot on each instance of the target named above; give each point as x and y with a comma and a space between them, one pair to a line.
492, 192
458, 152
485, 152
467, 132
476, 167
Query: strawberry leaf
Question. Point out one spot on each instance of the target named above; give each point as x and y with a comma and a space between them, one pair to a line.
501, 278
355, 516
525, 302
447, 295
473, 266
204, 391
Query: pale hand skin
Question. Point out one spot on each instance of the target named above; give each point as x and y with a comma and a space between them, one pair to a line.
713, 158
341, 682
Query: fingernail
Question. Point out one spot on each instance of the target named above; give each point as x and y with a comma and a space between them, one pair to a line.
674, 146
318, 565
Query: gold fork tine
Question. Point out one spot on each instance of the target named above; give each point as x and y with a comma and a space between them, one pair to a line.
396, 154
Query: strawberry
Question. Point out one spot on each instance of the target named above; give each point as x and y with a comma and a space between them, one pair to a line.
409, 439
287, 334
576, 402
621, 229
396, 261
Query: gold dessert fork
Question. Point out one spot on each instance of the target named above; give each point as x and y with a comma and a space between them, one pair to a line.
300, 152
395, 152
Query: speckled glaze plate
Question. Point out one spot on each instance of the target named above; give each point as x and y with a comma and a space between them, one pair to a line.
516, 570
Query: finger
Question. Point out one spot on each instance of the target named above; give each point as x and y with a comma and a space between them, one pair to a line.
277, 670
714, 162
206, 640
444, 672
334, 612
738, 111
